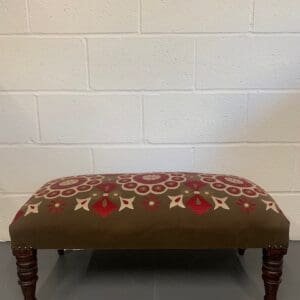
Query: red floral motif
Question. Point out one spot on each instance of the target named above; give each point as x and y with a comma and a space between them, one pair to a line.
235, 181
143, 189
151, 203
234, 191
106, 187
151, 178
104, 207
249, 192
68, 183
198, 204
159, 188
155, 183
150, 185
232, 185
246, 205
195, 185
130, 185
56, 206
68, 186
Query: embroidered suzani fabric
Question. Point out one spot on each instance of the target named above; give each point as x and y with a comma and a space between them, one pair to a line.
154, 210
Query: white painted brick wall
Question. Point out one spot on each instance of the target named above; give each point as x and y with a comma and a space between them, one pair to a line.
13, 16
277, 16
141, 63
90, 119
18, 119
10, 204
24, 169
274, 117
290, 204
89, 16
149, 85
257, 62
269, 165
196, 16
296, 185
195, 118
42, 64
143, 159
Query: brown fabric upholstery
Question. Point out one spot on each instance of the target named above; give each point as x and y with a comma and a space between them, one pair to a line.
150, 211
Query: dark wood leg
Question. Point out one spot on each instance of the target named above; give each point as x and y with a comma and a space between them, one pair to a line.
61, 252
272, 271
27, 271
241, 251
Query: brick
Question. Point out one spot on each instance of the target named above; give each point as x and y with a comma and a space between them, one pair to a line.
141, 159
90, 119
268, 166
13, 16
195, 118
296, 181
195, 16
90, 16
42, 63
277, 16
9, 205
274, 117
248, 62
18, 119
25, 169
290, 205
141, 63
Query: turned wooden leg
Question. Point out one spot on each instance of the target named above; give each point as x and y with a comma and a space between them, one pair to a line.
27, 271
61, 252
272, 271
241, 251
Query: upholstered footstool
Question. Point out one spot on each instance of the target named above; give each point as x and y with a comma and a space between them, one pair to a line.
150, 211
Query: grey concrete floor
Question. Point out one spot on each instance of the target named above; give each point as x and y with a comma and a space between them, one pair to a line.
146, 275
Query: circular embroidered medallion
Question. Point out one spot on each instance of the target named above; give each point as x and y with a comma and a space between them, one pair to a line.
232, 185
156, 183
68, 186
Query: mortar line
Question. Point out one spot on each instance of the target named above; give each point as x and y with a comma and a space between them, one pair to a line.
193, 150
290, 193
87, 63
140, 16
294, 168
93, 160
195, 66
252, 21
148, 34
27, 9
149, 92
38, 118
151, 145
142, 120
247, 117
25, 194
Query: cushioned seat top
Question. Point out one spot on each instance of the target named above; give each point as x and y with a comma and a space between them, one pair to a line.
150, 211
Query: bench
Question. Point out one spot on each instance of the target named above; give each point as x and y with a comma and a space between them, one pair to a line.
150, 211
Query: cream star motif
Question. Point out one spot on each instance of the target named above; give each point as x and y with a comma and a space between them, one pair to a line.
32, 209
176, 201
220, 202
271, 205
83, 203
126, 203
